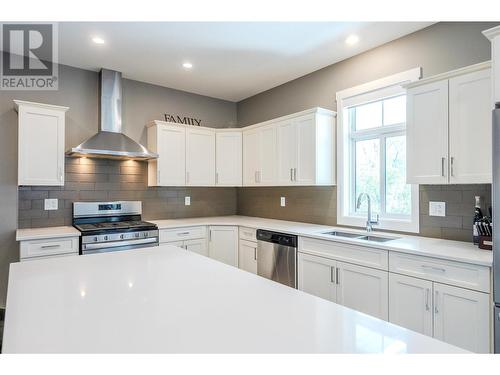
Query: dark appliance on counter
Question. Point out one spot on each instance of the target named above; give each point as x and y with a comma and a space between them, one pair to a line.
112, 226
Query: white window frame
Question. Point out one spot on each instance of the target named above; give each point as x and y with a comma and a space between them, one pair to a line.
371, 91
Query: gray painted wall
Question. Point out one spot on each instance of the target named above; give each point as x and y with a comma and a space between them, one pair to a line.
437, 49
78, 90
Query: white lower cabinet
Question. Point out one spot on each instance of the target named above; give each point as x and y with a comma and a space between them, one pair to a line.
223, 244
363, 289
357, 287
197, 246
410, 303
317, 276
462, 317
247, 256
451, 314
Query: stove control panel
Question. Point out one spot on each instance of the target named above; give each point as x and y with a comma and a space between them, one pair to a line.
113, 237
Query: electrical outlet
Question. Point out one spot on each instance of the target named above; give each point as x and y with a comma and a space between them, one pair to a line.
437, 208
187, 201
282, 202
50, 204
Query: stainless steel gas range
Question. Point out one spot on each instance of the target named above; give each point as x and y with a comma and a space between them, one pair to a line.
112, 226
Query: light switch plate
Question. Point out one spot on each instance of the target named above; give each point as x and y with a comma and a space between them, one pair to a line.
187, 201
50, 204
437, 208
282, 201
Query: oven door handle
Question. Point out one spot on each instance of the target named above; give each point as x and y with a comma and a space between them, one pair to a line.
108, 245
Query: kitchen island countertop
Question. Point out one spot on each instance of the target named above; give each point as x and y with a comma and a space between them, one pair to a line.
165, 299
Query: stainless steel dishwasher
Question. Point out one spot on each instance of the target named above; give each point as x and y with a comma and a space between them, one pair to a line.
277, 257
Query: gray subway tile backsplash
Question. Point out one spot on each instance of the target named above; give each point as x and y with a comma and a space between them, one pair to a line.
101, 179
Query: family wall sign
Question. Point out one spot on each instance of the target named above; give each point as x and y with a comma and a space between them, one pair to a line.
182, 119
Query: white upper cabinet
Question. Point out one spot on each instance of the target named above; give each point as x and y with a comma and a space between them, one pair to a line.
297, 149
494, 36
449, 127
169, 142
427, 133
200, 157
259, 156
228, 158
41, 144
470, 128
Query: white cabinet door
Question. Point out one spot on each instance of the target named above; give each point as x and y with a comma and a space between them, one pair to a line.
247, 256
41, 144
363, 289
197, 246
223, 244
470, 128
267, 156
305, 168
316, 276
171, 162
427, 134
228, 147
200, 157
462, 317
410, 303
251, 156
287, 152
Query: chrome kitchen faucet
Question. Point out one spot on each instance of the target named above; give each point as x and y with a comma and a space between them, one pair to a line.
369, 221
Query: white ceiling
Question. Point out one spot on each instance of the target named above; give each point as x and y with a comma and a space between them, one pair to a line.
231, 61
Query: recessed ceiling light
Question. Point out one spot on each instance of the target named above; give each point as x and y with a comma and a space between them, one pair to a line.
187, 65
98, 40
352, 39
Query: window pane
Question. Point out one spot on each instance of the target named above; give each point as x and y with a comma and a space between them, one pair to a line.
368, 115
368, 173
398, 192
395, 110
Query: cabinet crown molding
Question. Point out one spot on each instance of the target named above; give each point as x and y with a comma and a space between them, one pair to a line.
19, 103
450, 74
492, 33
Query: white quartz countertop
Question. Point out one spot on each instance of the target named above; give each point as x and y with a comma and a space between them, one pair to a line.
44, 233
165, 299
444, 249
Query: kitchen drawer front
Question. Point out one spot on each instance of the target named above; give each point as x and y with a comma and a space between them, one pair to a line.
48, 247
447, 272
361, 255
248, 234
181, 234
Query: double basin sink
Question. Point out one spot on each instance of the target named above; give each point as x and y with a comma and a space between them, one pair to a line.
359, 236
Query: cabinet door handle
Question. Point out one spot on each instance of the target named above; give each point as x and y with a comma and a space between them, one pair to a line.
255, 253
291, 174
436, 310
337, 277
183, 233
259, 174
427, 293
433, 268
210, 235
295, 174
60, 174
216, 177
331, 275
50, 246
443, 159
187, 177
158, 177
452, 160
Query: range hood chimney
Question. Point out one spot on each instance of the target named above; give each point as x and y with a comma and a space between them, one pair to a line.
110, 142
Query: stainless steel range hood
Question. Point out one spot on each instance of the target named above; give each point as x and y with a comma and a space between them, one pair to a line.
110, 142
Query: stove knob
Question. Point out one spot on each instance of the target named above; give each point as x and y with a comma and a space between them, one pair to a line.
145, 234
96, 239
137, 235
122, 236
105, 238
